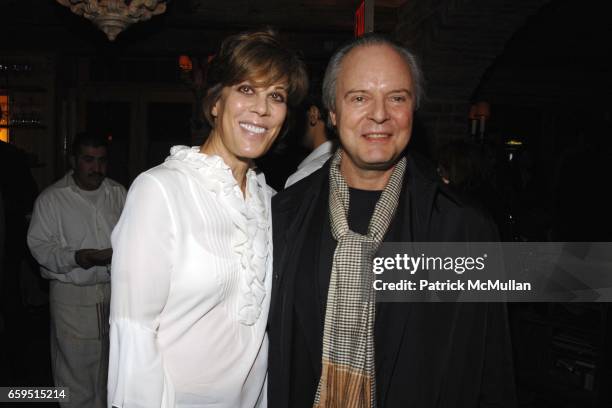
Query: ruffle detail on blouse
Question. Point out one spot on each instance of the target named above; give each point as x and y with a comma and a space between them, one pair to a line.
253, 253
251, 236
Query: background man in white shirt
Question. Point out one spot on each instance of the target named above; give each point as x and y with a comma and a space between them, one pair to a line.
69, 236
316, 139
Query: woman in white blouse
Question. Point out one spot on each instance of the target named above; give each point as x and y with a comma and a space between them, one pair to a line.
191, 272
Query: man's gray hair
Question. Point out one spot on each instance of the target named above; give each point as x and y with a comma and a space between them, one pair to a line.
330, 80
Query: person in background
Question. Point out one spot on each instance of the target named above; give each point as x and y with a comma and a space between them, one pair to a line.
4, 367
2, 238
19, 191
315, 139
331, 344
463, 166
69, 236
192, 270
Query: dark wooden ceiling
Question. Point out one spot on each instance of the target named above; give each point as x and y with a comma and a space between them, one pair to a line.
563, 40
313, 26
561, 56
288, 15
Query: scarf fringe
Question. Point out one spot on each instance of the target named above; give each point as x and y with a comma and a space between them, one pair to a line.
355, 385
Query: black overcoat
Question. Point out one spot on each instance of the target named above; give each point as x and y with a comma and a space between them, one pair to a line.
427, 354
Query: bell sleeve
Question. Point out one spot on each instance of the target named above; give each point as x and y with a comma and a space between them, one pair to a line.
144, 246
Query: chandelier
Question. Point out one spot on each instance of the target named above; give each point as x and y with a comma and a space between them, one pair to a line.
114, 16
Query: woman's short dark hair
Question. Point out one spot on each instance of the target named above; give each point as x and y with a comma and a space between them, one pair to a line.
257, 56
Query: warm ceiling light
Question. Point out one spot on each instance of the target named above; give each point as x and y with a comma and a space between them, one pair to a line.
185, 63
114, 16
514, 142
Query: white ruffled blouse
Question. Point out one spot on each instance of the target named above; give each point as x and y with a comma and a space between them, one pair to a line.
191, 281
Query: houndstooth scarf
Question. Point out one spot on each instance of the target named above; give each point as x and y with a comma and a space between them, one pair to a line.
348, 376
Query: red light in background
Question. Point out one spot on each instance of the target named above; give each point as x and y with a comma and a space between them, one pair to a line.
360, 20
185, 63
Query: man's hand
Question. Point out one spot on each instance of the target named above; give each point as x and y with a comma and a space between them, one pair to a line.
88, 258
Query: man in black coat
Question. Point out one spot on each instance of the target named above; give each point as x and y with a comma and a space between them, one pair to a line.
425, 354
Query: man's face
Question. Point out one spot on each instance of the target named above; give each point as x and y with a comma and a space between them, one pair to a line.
90, 167
374, 108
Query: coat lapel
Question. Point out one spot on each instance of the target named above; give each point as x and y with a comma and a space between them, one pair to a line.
292, 215
392, 318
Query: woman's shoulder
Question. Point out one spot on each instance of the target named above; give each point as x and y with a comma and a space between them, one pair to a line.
159, 179
165, 175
